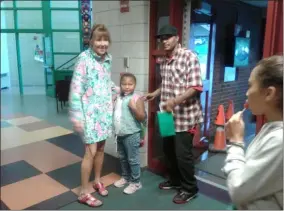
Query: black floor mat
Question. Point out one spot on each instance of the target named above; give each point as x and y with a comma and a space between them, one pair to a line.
213, 165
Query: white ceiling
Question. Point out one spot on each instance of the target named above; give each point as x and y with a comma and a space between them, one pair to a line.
257, 3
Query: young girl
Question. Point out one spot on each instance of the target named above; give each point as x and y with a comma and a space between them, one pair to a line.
91, 109
255, 176
128, 115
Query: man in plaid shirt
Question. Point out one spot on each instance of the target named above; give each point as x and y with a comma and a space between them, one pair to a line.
180, 93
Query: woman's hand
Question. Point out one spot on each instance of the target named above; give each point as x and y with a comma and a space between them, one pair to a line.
235, 127
78, 126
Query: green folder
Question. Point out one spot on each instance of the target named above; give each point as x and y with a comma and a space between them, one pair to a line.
166, 124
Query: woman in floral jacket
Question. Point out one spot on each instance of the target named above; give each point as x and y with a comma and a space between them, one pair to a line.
91, 108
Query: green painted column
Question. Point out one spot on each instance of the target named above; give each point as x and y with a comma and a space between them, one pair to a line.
20, 76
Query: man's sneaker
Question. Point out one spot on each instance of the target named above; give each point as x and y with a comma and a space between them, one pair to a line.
167, 185
132, 188
120, 183
183, 197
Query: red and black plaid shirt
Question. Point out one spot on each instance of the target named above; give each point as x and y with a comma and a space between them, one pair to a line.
179, 73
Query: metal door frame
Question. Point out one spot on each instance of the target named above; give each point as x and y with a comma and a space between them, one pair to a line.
273, 40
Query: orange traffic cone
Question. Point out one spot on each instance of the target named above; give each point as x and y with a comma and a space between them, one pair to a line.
219, 144
220, 118
230, 110
199, 142
220, 141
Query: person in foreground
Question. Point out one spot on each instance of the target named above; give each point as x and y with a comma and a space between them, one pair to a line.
255, 177
128, 115
91, 109
180, 93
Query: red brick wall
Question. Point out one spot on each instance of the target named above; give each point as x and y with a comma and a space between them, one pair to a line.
250, 18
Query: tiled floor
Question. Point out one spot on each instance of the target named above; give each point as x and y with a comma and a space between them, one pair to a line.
45, 175
40, 163
41, 158
27, 129
150, 197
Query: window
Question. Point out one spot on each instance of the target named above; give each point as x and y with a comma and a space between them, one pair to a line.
230, 74
199, 43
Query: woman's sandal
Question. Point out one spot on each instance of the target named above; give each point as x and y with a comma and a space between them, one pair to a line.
101, 189
89, 200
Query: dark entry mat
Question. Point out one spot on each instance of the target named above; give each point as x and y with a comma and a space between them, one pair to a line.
213, 165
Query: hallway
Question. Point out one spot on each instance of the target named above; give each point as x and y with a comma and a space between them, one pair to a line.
40, 153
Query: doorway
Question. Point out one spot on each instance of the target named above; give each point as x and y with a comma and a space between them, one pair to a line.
31, 63
202, 40
161, 12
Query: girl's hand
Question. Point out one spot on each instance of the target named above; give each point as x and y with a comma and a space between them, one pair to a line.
78, 126
132, 104
235, 127
138, 108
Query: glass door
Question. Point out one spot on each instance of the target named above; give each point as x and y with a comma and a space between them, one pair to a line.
24, 19
202, 42
47, 35
66, 37
31, 61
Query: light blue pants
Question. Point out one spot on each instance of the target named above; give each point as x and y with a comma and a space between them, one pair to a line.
128, 151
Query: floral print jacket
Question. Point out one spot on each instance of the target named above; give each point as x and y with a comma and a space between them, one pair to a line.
90, 99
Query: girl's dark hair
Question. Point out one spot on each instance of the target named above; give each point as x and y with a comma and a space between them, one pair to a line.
127, 75
99, 31
270, 73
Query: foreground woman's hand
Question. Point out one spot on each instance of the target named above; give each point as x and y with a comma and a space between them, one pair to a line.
235, 127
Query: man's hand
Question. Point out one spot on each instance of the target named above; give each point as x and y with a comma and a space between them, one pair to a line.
153, 95
150, 96
169, 105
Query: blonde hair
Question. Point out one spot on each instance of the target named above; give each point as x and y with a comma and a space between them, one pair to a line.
98, 32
